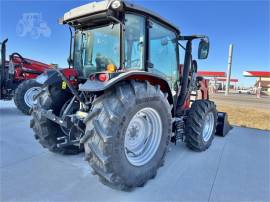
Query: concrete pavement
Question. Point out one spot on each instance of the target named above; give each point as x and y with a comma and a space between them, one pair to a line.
235, 168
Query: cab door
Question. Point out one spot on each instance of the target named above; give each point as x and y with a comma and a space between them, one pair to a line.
163, 55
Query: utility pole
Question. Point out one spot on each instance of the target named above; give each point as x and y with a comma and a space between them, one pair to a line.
229, 69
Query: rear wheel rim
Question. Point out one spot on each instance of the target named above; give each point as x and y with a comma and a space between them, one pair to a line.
208, 126
143, 136
29, 96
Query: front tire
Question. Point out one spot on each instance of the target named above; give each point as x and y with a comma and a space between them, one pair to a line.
119, 164
24, 95
201, 125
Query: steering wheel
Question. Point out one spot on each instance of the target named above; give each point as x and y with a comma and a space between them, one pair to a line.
20, 56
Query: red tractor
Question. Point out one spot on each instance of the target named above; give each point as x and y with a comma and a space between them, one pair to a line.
17, 79
125, 98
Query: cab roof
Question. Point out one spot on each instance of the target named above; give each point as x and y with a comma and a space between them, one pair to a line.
97, 8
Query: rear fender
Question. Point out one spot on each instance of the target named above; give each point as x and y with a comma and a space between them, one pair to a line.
94, 85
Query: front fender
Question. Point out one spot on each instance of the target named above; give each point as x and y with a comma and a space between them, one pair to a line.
51, 77
48, 78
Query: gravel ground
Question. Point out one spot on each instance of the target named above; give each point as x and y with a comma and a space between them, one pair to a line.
243, 100
235, 168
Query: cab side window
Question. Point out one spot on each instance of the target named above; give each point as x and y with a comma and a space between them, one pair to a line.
162, 52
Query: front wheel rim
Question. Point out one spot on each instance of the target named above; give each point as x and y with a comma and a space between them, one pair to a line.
143, 136
208, 126
29, 96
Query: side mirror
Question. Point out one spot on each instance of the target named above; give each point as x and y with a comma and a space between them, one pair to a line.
203, 49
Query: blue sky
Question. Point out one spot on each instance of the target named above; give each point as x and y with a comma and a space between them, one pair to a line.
246, 24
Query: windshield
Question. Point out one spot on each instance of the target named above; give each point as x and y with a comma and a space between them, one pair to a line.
95, 48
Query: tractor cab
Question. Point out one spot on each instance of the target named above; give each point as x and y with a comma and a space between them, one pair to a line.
118, 36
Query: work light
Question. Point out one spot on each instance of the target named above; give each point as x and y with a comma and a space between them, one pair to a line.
116, 4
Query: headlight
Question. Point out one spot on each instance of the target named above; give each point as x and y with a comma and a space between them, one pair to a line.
117, 4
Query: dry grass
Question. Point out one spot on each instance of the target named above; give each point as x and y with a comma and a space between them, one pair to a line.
246, 116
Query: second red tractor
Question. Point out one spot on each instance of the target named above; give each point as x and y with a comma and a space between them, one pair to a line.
17, 79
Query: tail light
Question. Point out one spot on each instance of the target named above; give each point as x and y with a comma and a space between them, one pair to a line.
103, 77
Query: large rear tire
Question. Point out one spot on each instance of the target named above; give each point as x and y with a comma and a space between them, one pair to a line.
24, 95
45, 130
127, 134
201, 125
